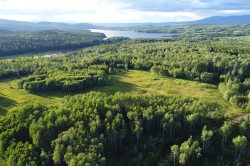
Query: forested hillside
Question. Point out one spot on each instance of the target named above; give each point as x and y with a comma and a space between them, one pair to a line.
25, 27
11, 44
137, 126
199, 29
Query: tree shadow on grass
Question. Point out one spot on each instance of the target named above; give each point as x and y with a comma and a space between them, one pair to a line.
3, 111
4, 104
114, 85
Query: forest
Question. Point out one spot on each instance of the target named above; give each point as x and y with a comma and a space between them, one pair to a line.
141, 123
47, 40
190, 30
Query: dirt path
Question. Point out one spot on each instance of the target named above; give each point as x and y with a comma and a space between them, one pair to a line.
237, 118
233, 120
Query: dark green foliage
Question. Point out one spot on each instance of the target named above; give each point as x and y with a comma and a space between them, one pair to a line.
23, 154
67, 81
46, 41
195, 61
115, 39
193, 30
92, 128
85, 126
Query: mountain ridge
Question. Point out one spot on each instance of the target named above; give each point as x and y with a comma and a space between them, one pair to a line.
25, 26
225, 20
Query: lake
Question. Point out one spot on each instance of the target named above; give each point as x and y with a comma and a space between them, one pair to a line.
130, 34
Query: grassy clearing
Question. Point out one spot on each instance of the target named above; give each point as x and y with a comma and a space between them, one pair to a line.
37, 54
17, 56
12, 97
151, 83
146, 82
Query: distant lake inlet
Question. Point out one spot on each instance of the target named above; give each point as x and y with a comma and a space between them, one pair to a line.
130, 34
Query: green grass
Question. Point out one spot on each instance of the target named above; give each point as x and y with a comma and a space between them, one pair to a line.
34, 54
151, 83
132, 81
12, 97
17, 56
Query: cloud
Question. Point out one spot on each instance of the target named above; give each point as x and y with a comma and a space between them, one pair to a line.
63, 6
167, 6
188, 5
119, 10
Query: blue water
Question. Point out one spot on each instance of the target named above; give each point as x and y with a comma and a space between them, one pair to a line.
130, 34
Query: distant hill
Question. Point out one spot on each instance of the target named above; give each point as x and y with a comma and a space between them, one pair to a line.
23, 26
225, 20
47, 40
245, 19
3, 31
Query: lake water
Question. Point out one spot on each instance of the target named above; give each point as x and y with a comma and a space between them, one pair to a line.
130, 34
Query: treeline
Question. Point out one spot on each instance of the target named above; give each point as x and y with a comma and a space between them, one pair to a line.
144, 129
15, 68
212, 61
54, 73
47, 40
85, 128
192, 30
236, 92
208, 61
188, 60
70, 81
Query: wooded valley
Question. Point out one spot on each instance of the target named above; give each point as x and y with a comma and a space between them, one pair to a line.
145, 119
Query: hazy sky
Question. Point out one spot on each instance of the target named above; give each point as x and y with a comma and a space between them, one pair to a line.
122, 11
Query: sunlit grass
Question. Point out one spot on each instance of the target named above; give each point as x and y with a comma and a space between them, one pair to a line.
11, 97
152, 83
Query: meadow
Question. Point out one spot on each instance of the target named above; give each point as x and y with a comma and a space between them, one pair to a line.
182, 95
132, 81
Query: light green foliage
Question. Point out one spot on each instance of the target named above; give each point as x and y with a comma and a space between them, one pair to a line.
188, 150
240, 143
229, 90
245, 126
206, 135
45, 158
192, 120
88, 128
22, 154
137, 130
78, 130
206, 77
225, 131
168, 124
175, 151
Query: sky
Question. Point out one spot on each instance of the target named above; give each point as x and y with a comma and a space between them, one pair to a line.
119, 11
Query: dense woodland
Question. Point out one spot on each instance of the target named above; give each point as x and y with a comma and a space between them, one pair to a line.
191, 30
47, 40
11, 26
132, 128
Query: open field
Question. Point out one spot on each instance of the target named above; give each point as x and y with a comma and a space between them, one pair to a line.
47, 53
151, 83
145, 82
17, 56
